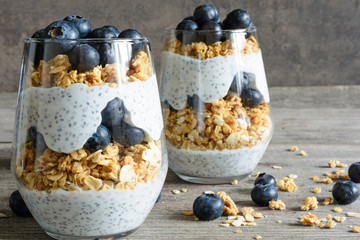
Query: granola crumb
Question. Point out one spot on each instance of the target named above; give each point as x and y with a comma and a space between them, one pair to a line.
279, 221
342, 165
344, 177
251, 224
353, 214
322, 219
196, 219
257, 237
293, 176
328, 224
356, 229
294, 149
277, 205
337, 209
330, 175
333, 163
339, 219
229, 205
328, 201
234, 182
316, 190
175, 191
225, 225
309, 220
339, 171
310, 203
188, 213
249, 218
276, 167
257, 174
3, 215
238, 231
315, 178
208, 192
287, 184
303, 153
184, 190
328, 217
257, 215
326, 180
246, 210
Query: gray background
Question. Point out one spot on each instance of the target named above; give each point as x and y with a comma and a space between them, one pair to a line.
305, 43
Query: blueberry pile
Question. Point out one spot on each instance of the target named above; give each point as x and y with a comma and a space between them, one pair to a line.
241, 86
264, 190
82, 56
206, 18
113, 126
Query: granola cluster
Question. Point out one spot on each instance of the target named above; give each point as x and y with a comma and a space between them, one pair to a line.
114, 167
201, 50
58, 72
224, 124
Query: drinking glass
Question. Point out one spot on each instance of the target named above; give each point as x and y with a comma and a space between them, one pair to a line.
216, 104
87, 152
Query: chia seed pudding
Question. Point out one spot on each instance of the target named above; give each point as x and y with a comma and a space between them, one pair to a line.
89, 158
215, 102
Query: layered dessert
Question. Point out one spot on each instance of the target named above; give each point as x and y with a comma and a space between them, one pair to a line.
88, 146
215, 99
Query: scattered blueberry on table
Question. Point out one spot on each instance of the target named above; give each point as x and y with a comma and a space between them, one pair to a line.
345, 192
262, 194
354, 172
208, 207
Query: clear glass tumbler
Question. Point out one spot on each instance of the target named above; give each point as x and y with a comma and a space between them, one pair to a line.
215, 103
87, 153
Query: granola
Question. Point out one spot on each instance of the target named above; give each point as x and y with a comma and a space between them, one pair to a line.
58, 72
277, 205
310, 203
114, 167
287, 184
201, 50
309, 220
218, 127
229, 205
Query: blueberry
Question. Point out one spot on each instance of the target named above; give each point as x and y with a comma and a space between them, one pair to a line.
251, 97
354, 172
127, 135
42, 33
208, 207
264, 178
81, 23
195, 103
112, 28
18, 205
212, 32
32, 132
137, 42
345, 192
61, 30
206, 13
107, 53
244, 78
103, 32
166, 104
237, 19
40, 144
113, 113
262, 194
185, 32
158, 199
99, 140
84, 57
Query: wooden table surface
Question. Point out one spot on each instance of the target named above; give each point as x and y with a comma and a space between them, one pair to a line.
323, 121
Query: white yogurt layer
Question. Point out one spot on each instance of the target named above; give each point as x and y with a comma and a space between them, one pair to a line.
89, 213
210, 79
68, 117
215, 163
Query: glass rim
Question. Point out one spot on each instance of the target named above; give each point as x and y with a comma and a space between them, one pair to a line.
84, 40
240, 30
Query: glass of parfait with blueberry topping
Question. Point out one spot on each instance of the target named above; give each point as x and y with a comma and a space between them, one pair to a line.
87, 154
215, 98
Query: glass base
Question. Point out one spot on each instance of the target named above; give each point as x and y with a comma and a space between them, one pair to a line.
107, 237
212, 180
